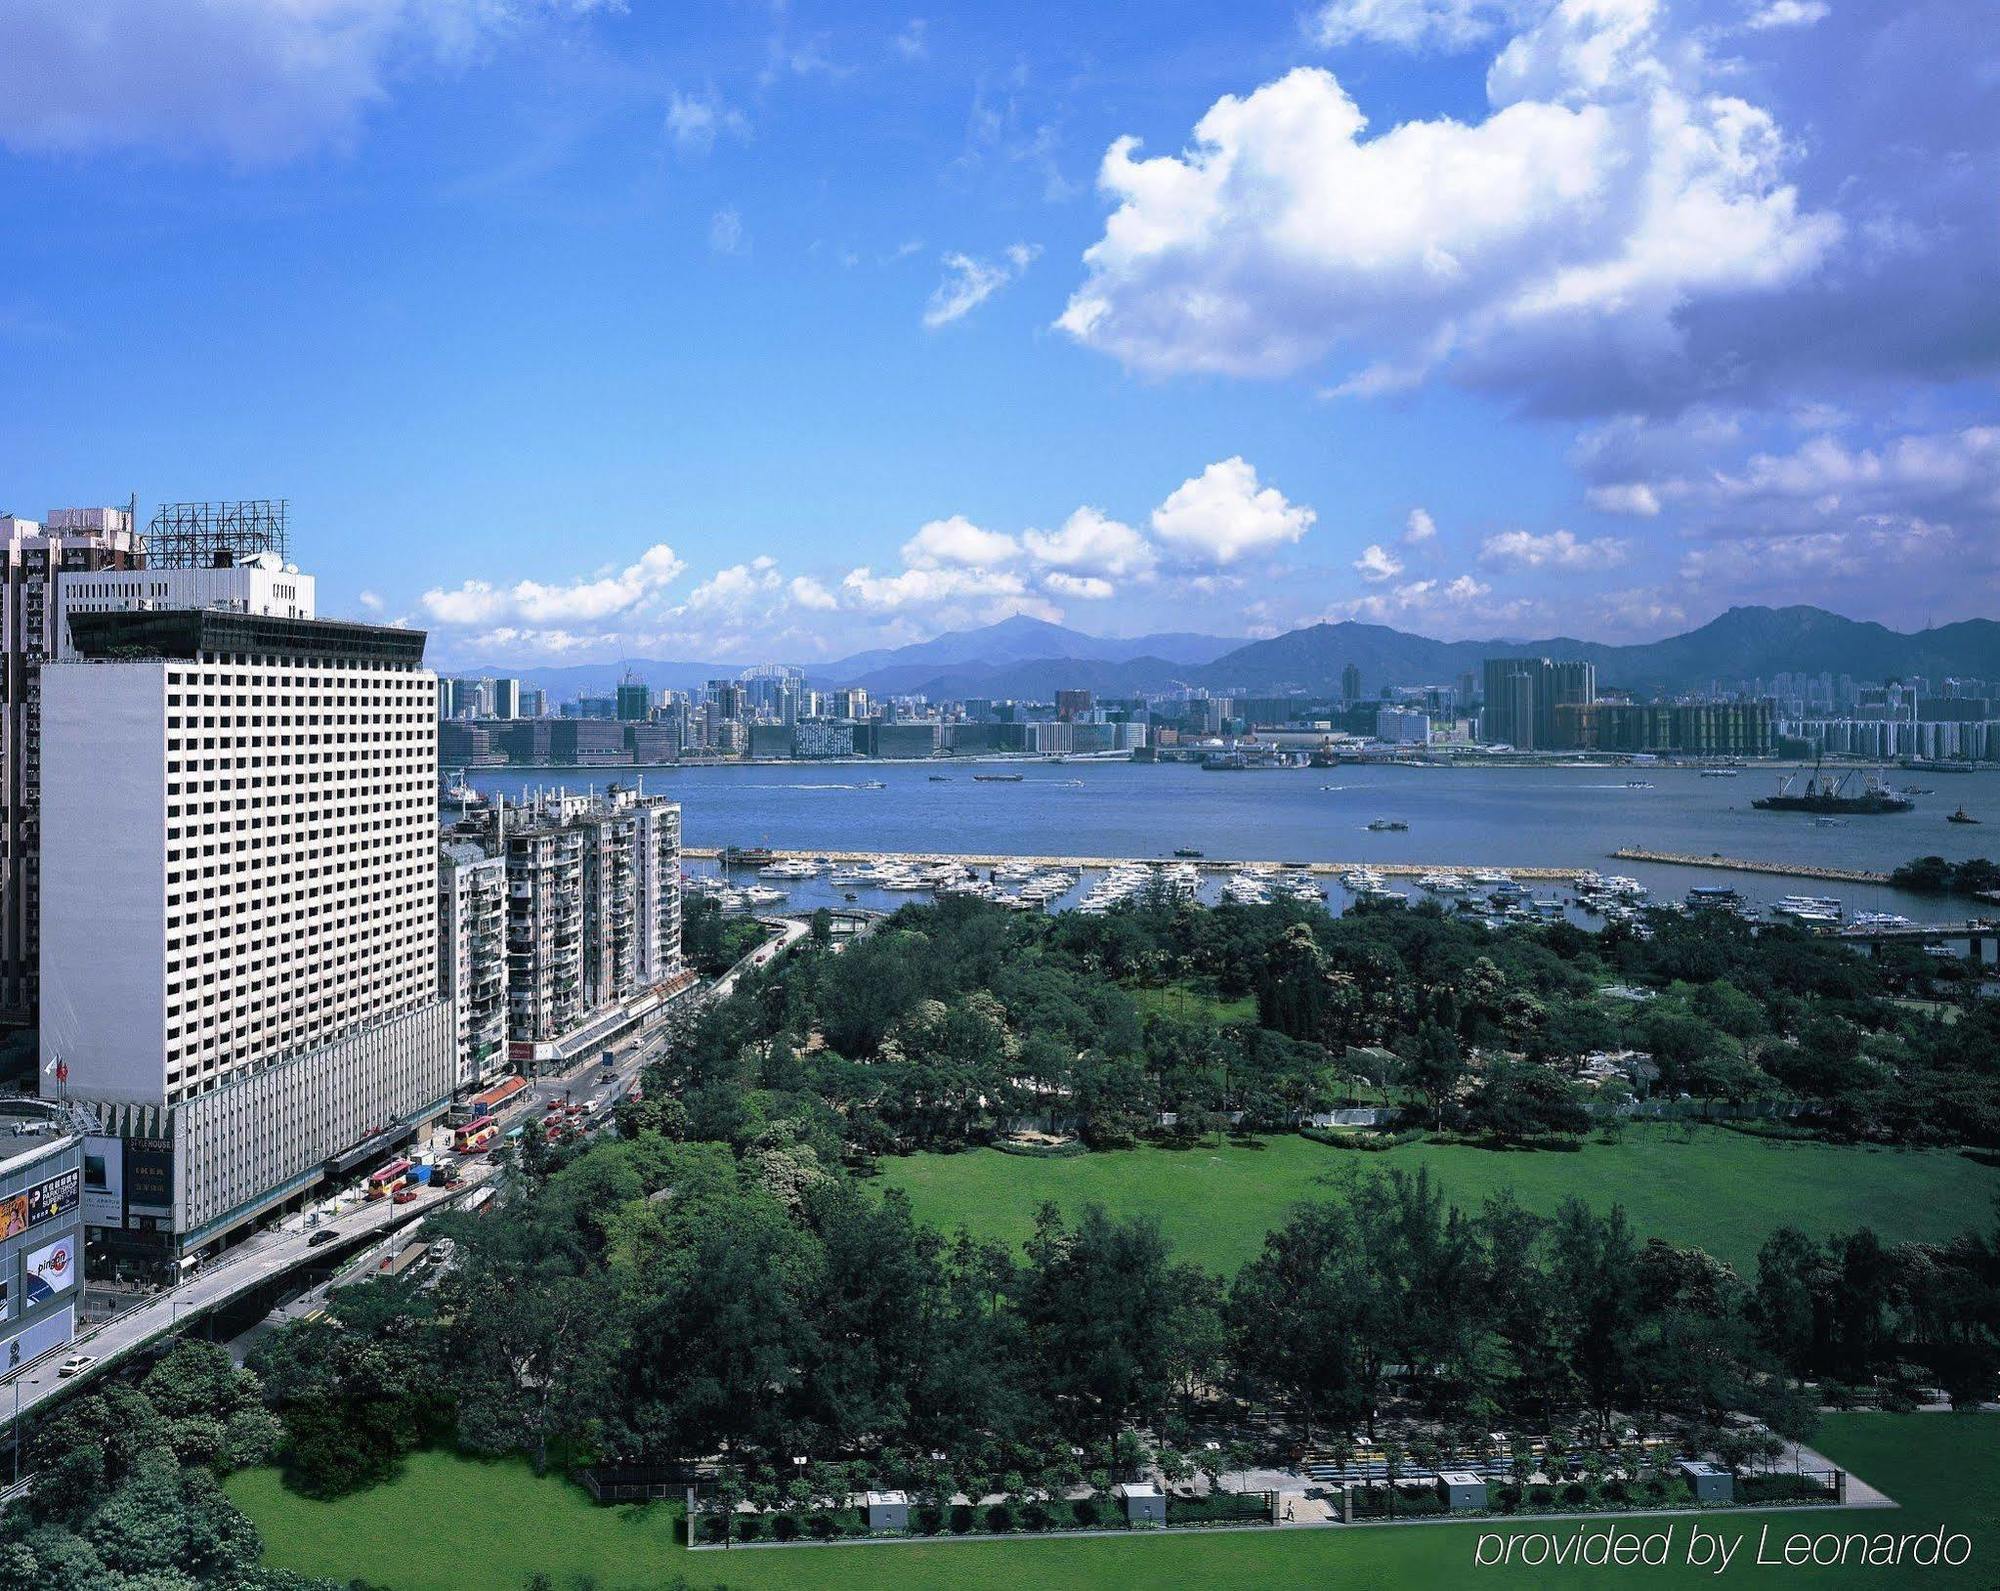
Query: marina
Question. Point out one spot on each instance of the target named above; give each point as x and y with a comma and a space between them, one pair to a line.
1541, 826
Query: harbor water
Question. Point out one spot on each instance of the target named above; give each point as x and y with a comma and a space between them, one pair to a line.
1571, 818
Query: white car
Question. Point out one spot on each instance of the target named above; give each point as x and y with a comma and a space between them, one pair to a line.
76, 1364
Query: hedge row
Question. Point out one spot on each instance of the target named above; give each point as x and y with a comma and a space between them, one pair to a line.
1367, 1140
1062, 1151
926, 1519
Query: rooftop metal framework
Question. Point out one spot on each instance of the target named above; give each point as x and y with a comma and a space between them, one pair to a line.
216, 535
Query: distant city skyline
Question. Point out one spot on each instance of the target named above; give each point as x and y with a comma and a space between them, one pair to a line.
574, 331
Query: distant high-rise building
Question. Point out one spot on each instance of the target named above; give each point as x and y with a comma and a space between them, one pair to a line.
240, 866
1073, 704
634, 700
1350, 684
534, 702
506, 698
39, 561
1523, 695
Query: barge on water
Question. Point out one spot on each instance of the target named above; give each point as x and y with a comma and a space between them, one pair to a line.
1826, 797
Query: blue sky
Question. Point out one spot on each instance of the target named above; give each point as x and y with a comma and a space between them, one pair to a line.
579, 330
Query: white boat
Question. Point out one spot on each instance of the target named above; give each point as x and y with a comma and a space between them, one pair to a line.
1440, 883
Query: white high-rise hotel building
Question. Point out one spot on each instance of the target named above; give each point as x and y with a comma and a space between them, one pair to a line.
239, 929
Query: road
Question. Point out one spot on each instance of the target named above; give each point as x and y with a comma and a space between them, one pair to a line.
257, 1260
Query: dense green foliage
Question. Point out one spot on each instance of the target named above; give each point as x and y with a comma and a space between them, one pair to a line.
126, 1494
713, 943
1933, 875
955, 1021
650, 1302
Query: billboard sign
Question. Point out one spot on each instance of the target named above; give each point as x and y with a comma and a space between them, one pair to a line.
43, 1202
51, 1269
103, 1181
149, 1176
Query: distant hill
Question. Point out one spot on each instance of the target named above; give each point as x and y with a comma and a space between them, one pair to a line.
1028, 658
1743, 643
1020, 639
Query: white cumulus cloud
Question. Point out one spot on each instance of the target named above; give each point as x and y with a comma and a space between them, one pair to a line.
1419, 527
1223, 514
1378, 563
809, 594
1092, 542
957, 541
538, 604
1611, 183
1556, 550
1089, 588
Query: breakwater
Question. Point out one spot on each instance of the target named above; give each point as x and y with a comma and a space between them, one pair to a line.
1737, 864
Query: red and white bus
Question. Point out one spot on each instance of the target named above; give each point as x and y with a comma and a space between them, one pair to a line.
487, 1102
389, 1179
475, 1137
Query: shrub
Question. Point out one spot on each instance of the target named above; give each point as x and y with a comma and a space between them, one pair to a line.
930, 1519
961, 1518
785, 1527
714, 1527
1576, 1494
1541, 1497
1085, 1510
1508, 1498
749, 1527
822, 1526
1036, 1515
999, 1519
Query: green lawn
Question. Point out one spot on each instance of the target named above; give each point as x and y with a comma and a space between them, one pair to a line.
1723, 1190
1191, 1003
450, 1525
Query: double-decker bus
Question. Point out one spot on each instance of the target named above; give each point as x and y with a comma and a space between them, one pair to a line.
389, 1179
475, 1137
487, 1101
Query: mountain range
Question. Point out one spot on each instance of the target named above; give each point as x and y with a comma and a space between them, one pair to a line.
1028, 658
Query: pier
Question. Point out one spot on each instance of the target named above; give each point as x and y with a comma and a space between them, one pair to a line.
1735, 864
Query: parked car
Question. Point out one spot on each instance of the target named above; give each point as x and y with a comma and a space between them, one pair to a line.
76, 1364
406, 1194
324, 1235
